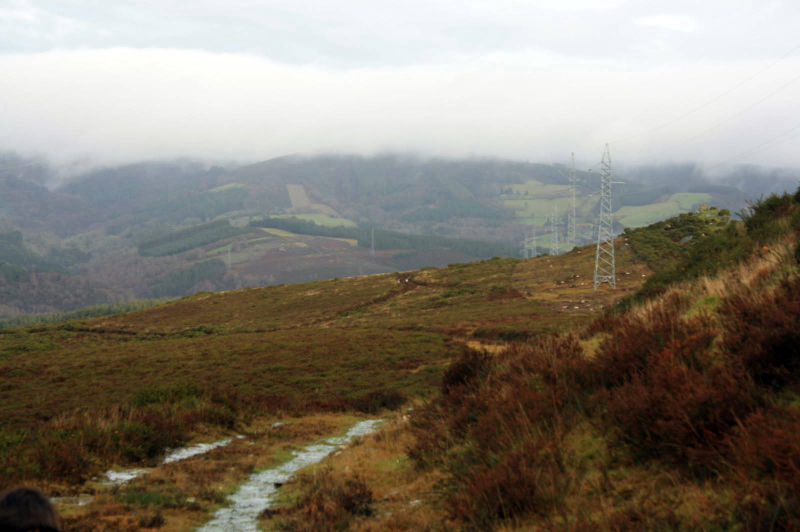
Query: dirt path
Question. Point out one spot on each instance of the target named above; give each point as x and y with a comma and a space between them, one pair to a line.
188, 490
256, 493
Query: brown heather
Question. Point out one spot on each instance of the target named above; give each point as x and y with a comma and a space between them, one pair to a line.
683, 415
675, 411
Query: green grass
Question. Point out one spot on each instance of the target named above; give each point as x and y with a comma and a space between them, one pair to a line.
254, 240
538, 208
219, 359
689, 200
537, 188
322, 219
229, 186
642, 215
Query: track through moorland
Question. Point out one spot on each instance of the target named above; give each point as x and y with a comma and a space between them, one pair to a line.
122, 389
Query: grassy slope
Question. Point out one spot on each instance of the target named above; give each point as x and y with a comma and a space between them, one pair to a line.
118, 389
79, 396
679, 413
638, 216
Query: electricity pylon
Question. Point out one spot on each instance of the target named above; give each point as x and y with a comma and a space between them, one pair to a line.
571, 230
604, 267
554, 228
530, 245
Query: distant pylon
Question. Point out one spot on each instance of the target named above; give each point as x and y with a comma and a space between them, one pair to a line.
571, 237
554, 228
604, 267
530, 245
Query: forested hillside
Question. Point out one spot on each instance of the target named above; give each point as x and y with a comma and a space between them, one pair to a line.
158, 229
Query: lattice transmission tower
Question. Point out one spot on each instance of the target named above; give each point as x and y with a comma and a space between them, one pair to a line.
604, 267
554, 229
529, 245
571, 223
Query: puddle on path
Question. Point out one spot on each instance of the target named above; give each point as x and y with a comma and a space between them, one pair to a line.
200, 448
255, 494
77, 500
118, 478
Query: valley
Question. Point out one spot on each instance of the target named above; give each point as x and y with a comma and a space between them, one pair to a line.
510, 394
164, 230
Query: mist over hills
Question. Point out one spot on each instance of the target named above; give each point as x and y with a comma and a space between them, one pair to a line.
171, 228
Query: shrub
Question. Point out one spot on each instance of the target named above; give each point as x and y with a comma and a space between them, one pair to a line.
762, 329
529, 480
467, 371
638, 337
677, 412
765, 451
668, 395
559, 361
761, 218
61, 456
441, 422
164, 394
327, 502
374, 402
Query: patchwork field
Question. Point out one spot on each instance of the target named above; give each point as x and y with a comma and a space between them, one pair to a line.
639, 216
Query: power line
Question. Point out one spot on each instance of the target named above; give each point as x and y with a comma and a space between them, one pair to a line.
18, 166
710, 101
739, 113
776, 139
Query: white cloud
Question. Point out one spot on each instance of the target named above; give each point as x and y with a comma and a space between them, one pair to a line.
121, 105
664, 21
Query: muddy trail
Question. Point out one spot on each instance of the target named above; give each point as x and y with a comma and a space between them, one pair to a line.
256, 494
217, 486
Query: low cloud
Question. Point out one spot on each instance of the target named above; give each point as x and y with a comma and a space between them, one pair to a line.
120, 105
670, 22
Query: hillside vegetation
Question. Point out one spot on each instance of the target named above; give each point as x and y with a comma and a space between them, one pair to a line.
81, 395
676, 411
539, 402
154, 229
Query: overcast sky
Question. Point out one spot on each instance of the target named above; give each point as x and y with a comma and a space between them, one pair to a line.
714, 81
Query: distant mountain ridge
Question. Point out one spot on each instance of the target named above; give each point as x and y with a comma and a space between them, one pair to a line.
91, 229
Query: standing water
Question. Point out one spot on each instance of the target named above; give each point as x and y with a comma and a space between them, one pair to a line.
254, 495
118, 478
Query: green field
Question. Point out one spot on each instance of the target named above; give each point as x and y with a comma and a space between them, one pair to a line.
540, 209
537, 188
229, 186
689, 200
642, 215
297, 194
321, 219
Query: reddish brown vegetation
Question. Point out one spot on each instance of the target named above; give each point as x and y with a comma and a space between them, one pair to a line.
328, 502
765, 452
636, 338
762, 330
700, 400
530, 479
666, 392
495, 431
